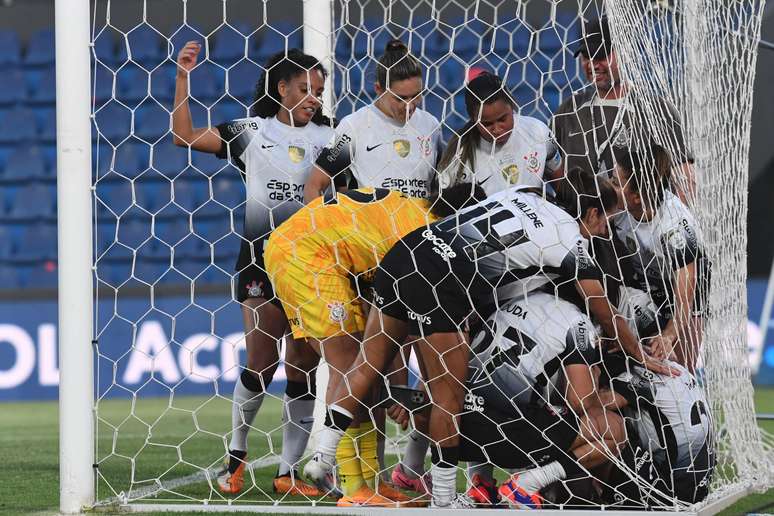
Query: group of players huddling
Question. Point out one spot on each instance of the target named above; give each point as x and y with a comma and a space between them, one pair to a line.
549, 281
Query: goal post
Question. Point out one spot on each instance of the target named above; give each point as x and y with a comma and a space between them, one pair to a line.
74, 195
149, 231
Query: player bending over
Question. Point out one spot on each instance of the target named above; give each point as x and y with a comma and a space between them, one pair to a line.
663, 240
431, 281
315, 260
275, 149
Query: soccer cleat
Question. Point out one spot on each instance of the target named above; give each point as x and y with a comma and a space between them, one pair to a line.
294, 486
422, 485
388, 491
518, 497
232, 483
483, 492
320, 473
366, 497
460, 501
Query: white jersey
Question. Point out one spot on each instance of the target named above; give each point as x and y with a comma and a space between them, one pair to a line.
661, 246
671, 415
276, 160
520, 242
381, 153
522, 160
526, 342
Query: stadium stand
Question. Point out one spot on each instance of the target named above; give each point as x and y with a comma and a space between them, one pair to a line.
134, 156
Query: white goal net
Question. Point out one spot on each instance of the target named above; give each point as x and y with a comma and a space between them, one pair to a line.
208, 140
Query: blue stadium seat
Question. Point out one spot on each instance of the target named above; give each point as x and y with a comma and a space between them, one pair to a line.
191, 247
207, 82
207, 163
12, 87
152, 122
40, 50
168, 158
132, 84
10, 277
9, 245
227, 111
38, 243
228, 192
42, 275
172, 232
149, 270
10, 48
131, 159
242, 79
132, 233
145, 46
105, 48
163, 84
33, 202
26, 163
45, 90
512, 38
113, 196
150, 194
114, 122
229, 45
18, 126
47, 124
189, 195
103, 83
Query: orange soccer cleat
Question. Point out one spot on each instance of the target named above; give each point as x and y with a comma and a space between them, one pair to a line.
232, 483
294, 486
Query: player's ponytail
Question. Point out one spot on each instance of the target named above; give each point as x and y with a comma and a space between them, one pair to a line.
449, 200
484, 89
396, 64
580, 190
648, 170
283, 67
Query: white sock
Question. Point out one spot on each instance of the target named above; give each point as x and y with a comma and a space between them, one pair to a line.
243, 410
444, 485
414, 456
297, 422
536, 479
483, 469
328, 442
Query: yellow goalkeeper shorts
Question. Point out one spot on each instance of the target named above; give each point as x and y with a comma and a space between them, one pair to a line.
316, 293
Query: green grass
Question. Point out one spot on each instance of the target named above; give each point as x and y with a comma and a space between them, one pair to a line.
185, 437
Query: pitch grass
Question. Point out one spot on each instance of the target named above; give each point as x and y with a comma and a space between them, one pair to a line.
186, 435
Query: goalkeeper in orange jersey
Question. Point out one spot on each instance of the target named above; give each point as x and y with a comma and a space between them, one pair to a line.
315, 261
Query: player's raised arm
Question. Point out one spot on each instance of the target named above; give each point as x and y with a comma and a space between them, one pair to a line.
203, 139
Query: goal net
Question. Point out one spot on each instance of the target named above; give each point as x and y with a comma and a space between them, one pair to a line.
171, 325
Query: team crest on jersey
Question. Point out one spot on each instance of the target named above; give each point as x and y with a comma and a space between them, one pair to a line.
402, 147
676, 240
255, 289
623, 138
338, 312
296, 154
533, 165
425, 145
511, 174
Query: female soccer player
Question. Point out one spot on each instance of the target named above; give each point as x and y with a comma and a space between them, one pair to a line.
498, 148
391, 143
665, 245
432, 280
275, 149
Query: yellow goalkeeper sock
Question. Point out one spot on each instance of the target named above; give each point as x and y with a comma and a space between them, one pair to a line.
350, 475
369, 463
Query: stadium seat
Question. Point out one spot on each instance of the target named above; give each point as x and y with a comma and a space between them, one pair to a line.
228, 192
18, 126
150, 194
191, 247
47, 124
10, 48
40, 50
149, 271
10, 278
207, 82
34, 202
229, 44
131, 159
152, 122
163, 84
38, 243
145, 46
132, 84
173, 231
9, 245
12, 87
169, 159
242, 79
206, 163
44, 89
189, 195
26, 163
105, 49
113, 196
227, 111
43, 275
132, 233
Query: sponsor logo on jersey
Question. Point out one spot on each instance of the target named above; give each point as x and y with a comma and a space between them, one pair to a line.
511, 174
255, 289
333, 155
402, 147
425, 145
581, 256
411, 187
473, 403
238, 127
533, 164
282, 191
421, 319
338, 312
517, 311
369, 148
690, 234
527, 210
379, 300
296, 154
263, 146
581, 333
676, 240
623, 137
640, 458
439, 246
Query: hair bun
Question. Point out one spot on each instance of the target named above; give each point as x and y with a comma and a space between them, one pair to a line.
396, 45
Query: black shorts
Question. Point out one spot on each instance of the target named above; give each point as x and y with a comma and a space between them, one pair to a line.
429, 283
252, 280
522, 438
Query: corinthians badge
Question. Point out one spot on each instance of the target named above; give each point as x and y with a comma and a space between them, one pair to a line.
402, 147
296, 154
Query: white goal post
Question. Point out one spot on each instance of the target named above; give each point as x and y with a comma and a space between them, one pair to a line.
703, 38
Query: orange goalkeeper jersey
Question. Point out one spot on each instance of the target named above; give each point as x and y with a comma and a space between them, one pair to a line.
353, 231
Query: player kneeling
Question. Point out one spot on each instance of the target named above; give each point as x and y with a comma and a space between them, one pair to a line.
668, 422
525, 347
